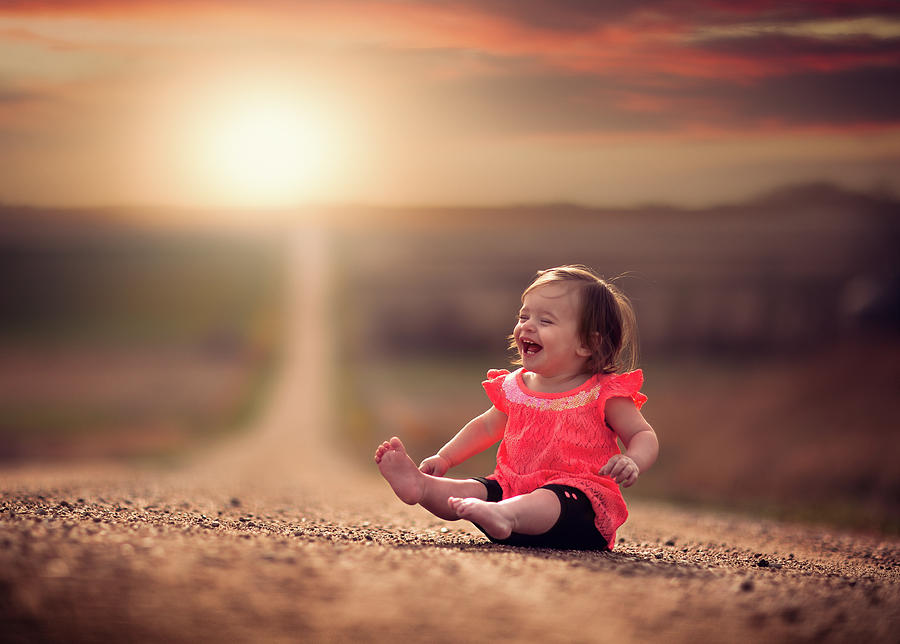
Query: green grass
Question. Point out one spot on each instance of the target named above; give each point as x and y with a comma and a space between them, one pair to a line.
139, 289
126, 331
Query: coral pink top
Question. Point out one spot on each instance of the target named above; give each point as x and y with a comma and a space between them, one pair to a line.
562, 438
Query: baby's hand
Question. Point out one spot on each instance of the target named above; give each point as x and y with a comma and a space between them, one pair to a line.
435, 465
621, 469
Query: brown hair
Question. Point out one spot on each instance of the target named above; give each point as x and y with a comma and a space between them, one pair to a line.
607, 323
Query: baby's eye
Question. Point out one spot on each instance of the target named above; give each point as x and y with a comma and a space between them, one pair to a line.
546, 321
522, 318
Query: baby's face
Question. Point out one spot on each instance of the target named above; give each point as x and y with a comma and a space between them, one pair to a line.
546, 333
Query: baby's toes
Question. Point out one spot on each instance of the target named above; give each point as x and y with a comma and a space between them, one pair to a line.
459, 505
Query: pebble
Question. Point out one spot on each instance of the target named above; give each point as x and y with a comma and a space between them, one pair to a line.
763, 563
445, 530
57, 568
746, 586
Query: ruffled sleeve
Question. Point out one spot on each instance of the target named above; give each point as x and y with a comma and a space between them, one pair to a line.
494, 388
626, 385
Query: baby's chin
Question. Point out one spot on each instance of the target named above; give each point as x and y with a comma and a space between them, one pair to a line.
532, 362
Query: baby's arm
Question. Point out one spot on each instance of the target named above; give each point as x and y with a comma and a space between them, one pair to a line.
478, 434
641, 444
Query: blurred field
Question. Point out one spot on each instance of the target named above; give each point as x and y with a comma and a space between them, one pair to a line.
770, 336
770, 339
129, 341
811, 437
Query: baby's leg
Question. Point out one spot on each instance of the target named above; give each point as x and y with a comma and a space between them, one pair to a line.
533, 513
412, 486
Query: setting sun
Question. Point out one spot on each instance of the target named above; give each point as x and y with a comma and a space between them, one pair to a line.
269, 151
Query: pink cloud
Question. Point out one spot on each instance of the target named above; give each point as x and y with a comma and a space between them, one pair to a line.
642, 70
625, 41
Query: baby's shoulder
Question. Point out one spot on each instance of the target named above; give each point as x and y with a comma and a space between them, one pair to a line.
497, 374
622, 387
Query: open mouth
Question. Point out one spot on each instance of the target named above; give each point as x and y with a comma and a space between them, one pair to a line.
530, 348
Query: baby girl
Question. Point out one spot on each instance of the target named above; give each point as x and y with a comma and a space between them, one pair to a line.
557, 417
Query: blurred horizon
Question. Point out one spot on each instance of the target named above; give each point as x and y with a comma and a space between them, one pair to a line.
34, 219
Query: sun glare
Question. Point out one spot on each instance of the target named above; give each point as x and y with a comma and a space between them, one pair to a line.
266, 152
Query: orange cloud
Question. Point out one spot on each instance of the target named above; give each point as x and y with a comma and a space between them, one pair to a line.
641, 38
420, 77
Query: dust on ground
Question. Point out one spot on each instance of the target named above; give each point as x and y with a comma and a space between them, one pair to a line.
143, 557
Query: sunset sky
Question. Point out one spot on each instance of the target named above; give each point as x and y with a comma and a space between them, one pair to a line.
272, 103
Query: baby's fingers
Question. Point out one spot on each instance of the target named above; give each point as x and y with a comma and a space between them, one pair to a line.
630, 479
606, 469
621, 469
614, 467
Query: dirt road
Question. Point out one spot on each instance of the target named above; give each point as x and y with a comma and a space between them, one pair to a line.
275, 538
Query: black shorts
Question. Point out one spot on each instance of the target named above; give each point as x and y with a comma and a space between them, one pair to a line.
574, 530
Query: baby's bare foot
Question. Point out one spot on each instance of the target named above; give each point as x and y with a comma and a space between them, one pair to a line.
493, 517
398, 469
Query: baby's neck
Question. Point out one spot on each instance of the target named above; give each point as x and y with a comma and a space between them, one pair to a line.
554, 384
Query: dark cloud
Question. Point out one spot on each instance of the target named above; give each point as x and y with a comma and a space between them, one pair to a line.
797, 81
769, 45
843, 98
584, 104
525, 104
583, 15
562, 15
780, 11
